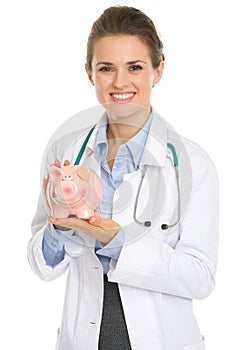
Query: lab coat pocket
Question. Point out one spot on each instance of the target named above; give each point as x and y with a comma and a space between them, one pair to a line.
58, 339
198, 346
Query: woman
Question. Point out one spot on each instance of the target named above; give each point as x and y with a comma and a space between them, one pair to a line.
155, 240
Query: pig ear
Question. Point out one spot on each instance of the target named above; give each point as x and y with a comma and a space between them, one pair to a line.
83, 173
55, 172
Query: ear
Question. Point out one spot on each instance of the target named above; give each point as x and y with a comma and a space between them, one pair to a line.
158, 73
89, 73
83, 173
55, 172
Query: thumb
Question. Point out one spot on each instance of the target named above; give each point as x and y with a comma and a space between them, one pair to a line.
95, 219
98, 221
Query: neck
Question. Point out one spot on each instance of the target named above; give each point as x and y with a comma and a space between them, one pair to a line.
121, 131
124, 128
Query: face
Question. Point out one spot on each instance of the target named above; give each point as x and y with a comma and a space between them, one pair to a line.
122, 71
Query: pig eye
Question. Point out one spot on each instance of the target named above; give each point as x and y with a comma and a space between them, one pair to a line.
67, 178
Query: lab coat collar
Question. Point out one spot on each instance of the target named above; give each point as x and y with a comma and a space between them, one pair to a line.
90, 148
155, 151
156, 145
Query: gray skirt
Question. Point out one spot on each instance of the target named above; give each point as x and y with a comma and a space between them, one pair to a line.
113, 332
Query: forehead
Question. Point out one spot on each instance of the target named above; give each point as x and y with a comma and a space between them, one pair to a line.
120, 47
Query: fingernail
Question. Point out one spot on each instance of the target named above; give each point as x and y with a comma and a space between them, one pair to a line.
51, 220
92, 219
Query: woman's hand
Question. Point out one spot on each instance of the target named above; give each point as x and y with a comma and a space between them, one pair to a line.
56, 163
102, 229
45, 181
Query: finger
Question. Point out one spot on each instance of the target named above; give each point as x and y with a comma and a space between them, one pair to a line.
72, 223
95, 219
51, 220
57, 163
98, 221
66, 162
45, 182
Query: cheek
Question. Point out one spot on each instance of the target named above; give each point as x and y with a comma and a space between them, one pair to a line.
146, 84
145, 81
99, 94
103, 80
101, 89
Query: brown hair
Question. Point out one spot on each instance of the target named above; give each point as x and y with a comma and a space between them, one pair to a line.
124, 20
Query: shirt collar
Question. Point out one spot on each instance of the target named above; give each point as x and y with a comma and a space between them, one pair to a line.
155, 150
100, 147
137, 143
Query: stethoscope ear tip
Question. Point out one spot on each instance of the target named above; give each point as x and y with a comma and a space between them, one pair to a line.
147, 223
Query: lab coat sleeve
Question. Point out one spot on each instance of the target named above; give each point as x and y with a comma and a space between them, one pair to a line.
39, 223
53, 244
113, 248
188, 269
35, 253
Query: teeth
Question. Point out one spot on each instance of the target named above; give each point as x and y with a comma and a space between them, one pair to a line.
122, 96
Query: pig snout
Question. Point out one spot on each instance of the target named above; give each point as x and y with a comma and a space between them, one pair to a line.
68, 192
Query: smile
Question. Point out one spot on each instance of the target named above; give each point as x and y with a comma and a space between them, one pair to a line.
123, 97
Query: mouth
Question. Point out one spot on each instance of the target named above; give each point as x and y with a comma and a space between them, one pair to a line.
125, 97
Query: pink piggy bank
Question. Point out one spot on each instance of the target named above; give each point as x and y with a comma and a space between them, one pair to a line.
73, 191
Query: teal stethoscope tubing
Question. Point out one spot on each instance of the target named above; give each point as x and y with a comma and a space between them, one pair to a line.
175, 166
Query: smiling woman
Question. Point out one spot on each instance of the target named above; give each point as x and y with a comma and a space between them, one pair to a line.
131, 280
122, 70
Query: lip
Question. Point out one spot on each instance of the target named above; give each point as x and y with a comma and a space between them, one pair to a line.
124, 100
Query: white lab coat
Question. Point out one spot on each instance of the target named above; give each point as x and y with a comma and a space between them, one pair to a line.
158, 272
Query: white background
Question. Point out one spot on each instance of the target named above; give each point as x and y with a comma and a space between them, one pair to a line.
43, 83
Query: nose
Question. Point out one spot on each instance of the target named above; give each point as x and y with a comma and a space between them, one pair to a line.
120, 79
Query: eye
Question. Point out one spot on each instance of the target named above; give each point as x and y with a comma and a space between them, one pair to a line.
67, 178
106, 69
135, 68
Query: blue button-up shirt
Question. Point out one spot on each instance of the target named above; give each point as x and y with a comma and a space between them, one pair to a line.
127, 160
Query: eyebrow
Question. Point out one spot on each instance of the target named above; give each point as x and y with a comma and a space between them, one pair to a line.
128, 63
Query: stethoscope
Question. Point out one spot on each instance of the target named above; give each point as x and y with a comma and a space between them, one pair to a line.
175, 164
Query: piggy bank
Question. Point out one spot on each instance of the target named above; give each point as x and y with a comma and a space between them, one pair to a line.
73, 191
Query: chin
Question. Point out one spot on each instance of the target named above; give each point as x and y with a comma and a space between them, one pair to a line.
121, 111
